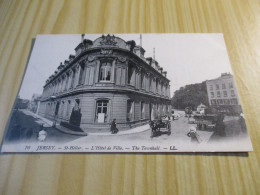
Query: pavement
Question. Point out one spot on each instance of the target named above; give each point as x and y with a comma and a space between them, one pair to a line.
49, 123
180, 128
41, 120
25, 126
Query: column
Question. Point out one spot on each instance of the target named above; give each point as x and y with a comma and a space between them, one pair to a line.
113, 71
97, 71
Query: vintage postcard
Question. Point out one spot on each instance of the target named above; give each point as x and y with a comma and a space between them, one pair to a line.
120, 93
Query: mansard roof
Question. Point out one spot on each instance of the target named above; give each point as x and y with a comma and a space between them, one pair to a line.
111, 41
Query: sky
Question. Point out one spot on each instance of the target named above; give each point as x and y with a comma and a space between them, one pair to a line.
187, 58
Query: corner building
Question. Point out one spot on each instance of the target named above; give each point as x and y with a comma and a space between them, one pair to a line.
107, 78
222, 92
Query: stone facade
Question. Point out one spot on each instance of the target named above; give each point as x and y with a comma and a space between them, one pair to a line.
222, 91
107, 78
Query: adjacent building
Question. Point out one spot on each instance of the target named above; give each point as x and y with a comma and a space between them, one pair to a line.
106, 78
34, 103
222, 92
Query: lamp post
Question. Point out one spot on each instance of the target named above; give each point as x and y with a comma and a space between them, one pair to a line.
55, 113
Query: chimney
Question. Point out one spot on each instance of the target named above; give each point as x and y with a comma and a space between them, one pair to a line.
66, 62
71, 57
138, 50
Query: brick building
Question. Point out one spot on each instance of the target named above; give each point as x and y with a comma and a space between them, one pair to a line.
106, 78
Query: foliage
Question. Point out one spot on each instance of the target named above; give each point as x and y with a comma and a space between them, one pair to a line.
190, 95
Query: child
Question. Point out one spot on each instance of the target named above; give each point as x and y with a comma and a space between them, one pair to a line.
194, 135
42, 134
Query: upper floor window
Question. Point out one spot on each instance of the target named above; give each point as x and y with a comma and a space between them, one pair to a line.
73, 78
157, 86
217, 86
142, 80
212, 94
232, 93
211, 87
105, 71
231, 85
131, 74
225, 93
81, 75
150, 83
223, 86
218, 94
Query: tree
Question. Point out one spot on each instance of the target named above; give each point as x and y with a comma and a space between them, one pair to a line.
190, 95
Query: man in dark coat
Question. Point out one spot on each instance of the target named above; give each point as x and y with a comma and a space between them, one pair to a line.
113, 128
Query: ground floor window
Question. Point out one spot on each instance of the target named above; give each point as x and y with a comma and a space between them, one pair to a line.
57, 108
102, 111
130, 110
142, 110
234, 101
226, 101
68, 109
213, 102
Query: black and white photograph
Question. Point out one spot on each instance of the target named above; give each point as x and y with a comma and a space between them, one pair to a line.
127, 93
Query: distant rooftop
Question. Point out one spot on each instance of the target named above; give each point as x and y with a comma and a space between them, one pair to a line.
225, 75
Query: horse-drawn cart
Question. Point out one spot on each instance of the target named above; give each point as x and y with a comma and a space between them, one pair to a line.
160, 126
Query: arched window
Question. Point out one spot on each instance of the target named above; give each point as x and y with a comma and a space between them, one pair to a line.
105, 71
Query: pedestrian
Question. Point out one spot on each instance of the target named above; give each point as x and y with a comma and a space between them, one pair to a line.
195, 138
153, 128
113, 128
242, 123
42, 134
220, 125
